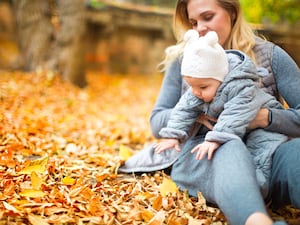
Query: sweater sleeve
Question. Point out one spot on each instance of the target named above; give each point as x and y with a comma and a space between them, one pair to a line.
287, 77
168, 97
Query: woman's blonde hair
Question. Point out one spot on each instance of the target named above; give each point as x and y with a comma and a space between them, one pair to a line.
242, 36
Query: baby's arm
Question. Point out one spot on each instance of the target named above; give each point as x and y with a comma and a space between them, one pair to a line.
166, 144
183, 116
207, 147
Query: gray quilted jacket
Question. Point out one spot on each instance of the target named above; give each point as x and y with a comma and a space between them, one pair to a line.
236, 104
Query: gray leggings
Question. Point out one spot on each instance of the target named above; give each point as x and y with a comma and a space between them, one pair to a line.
228, 180
285, 178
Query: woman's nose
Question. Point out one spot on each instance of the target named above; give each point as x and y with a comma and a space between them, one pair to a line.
201, 28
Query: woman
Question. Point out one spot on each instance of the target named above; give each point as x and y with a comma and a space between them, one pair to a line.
229, 179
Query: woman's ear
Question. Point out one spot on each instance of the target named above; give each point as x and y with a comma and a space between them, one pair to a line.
233, 18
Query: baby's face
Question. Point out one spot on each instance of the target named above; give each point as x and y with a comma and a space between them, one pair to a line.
203, 88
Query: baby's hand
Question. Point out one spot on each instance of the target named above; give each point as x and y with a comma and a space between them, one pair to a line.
166, 144
207, 147
206, 120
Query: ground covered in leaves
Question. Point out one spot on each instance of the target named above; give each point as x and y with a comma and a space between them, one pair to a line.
60, 147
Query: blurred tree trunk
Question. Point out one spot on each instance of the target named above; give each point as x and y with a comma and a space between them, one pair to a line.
43, 45
34, 31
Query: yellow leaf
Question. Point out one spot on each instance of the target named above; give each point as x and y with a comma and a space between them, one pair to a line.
36, 181
110, 143
31, 193
38, 166
37, 220
125, 152
167, 186
68, 180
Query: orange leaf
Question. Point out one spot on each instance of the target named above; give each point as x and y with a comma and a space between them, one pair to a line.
102, 177
9, 188
147, 215
157, 203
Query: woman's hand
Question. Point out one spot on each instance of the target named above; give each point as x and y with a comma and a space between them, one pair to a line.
205, 120
261, 120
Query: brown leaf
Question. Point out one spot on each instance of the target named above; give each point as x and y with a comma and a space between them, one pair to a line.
37, 220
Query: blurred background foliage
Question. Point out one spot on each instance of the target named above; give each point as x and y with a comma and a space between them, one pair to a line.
274, 11
256, 11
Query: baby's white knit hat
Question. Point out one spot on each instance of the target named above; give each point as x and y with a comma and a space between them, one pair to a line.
203, 57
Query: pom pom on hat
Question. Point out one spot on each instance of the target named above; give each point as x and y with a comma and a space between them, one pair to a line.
212, 38
203, 57
191, 35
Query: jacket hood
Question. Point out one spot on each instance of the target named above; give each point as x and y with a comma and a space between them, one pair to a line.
241, 66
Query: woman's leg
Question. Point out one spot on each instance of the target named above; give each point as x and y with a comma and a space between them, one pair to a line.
285, 178
228, 180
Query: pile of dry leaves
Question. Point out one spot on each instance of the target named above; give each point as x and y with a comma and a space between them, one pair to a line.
60, 148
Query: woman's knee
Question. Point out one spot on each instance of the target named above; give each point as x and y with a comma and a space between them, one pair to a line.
234, 154
285, 178
286, 160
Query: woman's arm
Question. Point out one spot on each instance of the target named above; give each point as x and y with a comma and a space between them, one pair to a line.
168, 97
287, 77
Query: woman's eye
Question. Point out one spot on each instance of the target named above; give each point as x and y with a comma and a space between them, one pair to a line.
208, 17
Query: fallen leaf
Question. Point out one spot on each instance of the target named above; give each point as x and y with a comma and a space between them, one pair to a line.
10, 207
157, 203
147, 215
167, 186
32, 193
36, 181
68, 181
158, 218
125, 152
37, 220
38, 166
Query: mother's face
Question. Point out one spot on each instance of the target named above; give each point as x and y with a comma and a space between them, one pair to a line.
207, 15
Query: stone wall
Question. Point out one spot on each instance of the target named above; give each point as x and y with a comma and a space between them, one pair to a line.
123, 40
286, 37
128, 40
